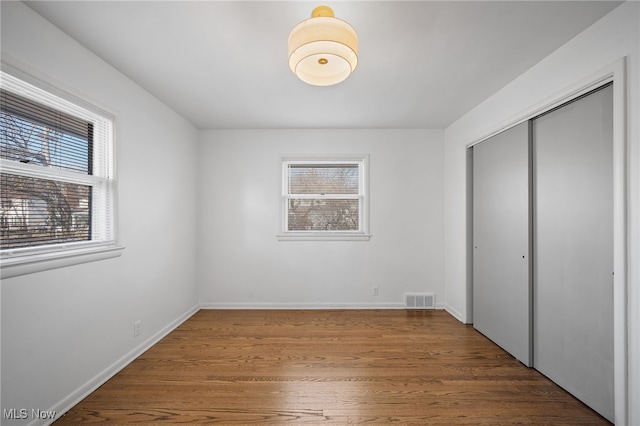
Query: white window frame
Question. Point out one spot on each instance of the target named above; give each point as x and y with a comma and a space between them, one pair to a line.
103, 243
362, 234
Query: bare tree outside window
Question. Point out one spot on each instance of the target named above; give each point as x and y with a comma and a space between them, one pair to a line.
323, 197
37, 211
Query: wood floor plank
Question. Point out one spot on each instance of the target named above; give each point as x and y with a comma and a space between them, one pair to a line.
331, 367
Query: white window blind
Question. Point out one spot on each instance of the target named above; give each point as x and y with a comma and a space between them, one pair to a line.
56, 176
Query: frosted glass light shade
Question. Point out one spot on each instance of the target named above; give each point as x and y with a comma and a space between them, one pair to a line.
323, 50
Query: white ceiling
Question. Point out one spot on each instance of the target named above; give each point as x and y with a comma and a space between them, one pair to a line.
422, 64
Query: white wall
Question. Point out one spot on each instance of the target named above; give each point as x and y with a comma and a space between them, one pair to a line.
615, 36
65, 330
243, 265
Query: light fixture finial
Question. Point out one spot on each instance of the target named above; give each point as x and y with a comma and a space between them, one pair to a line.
322, 11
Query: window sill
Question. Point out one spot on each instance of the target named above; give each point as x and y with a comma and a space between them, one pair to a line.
316, 236
28, 264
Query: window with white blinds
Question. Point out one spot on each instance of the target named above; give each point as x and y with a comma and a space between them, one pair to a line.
56, 176
325, 197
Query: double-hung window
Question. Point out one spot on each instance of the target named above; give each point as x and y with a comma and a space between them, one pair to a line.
324, 198
56, 180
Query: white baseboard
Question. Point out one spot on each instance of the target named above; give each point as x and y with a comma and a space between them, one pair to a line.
309, 306
82, 392
301, 306
457, 315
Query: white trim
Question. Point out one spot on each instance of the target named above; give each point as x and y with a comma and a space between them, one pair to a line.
36, 77
616, 73
323, 236
309, 306
454, 313
99, 379
50, 173
323, 196
362, 160
28, 264
585, 85
620, 242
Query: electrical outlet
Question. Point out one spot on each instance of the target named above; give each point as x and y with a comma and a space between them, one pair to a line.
136, 329
374, 291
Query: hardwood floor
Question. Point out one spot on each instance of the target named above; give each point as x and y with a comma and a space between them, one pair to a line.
335, 367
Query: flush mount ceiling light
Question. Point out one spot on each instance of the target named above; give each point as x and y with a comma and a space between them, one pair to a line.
323, 50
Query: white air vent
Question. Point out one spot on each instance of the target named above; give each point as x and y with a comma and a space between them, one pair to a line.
419, 301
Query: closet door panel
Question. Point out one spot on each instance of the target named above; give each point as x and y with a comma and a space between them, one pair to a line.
573, 228
501, 300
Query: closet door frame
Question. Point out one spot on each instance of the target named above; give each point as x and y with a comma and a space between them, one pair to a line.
615, 73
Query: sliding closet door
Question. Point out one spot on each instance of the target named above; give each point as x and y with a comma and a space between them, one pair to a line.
501, 307
573, 228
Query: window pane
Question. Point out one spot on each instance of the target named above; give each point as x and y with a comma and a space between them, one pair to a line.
323, 215
323, 179
35, 134
39, 211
